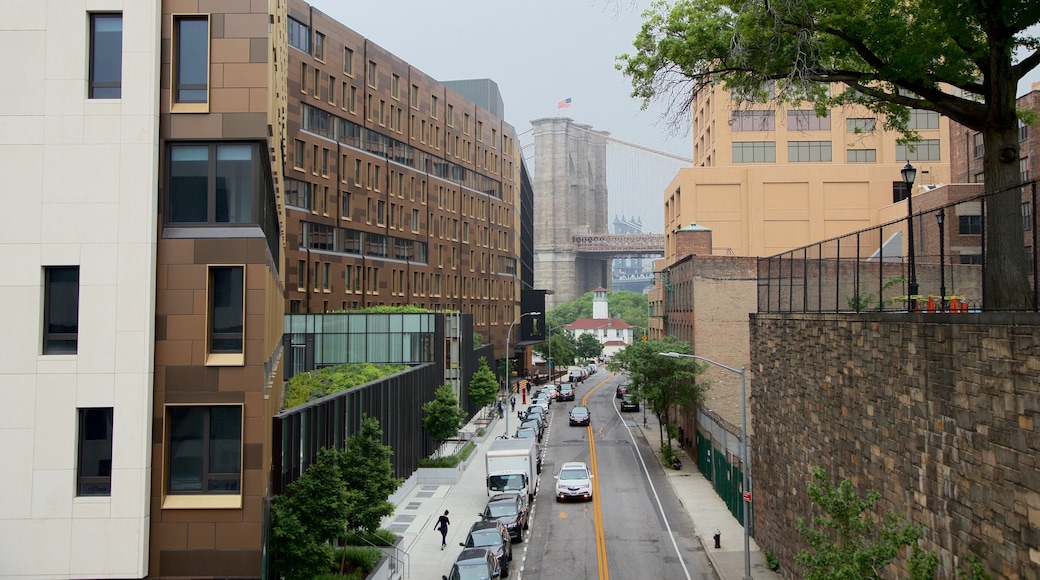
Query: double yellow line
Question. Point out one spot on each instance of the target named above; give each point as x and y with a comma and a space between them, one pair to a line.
597, 509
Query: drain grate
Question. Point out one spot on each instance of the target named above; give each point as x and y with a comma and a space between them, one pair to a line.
398, 528
405, 519
413, 505
430, 487
424, 494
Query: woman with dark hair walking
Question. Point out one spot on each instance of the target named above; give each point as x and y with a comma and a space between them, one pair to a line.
442, 527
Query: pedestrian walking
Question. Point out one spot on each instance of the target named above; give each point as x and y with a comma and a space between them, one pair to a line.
501, 409
512, 404
442, 527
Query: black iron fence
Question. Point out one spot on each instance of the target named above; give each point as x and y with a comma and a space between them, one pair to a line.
875, 269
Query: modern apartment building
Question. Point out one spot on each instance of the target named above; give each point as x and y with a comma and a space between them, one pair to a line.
400, 190
79, 136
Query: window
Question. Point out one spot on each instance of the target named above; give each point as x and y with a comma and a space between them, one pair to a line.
861, 155
1023, 131
808, 151
301, 275
106, 56
299, 35
345, 199
94, 464
860, 125
60, 309
971, 258
808, 121
226, 309
372, 74
1023, 169
921, 119
212, 183
754, 152
191, 60
433, 106
978, 147
205, 449
319, 46
970, 225
298, 155
899, 191
348, 62
1027, 216
395, 86
924, 150
451, 118
415, 220
297, 193
415, 97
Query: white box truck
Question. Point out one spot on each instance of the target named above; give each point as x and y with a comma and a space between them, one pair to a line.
512, 465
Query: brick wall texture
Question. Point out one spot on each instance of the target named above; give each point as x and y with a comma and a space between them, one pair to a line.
940, 413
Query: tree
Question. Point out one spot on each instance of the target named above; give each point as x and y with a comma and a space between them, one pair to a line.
665, 383
626, 305
483, 387
562, 351
443, 415
312, 512
891, 56
848, 543
368, 476
589, 346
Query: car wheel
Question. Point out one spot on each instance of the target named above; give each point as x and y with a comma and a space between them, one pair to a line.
505, 570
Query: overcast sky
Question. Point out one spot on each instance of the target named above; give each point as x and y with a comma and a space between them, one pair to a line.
538, 51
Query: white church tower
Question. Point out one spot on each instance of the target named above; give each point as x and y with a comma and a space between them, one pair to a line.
599, 304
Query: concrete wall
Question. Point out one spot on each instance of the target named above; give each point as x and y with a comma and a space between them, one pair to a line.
940, 413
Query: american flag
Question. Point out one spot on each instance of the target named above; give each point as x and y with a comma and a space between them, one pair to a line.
564, 104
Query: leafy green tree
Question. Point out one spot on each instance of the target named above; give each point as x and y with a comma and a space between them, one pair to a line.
368, 476
961, 59
443, 415
626, 305
563, 350
847, 542
483, 387
589, 346
667, 384
312, 512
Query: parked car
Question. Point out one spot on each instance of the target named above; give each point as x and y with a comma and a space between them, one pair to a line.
629, 403
526, 433
565, 393
576, 375
591, 369
474, 564
621, 390
493, 535
510, 509
535, 422
580, 416
574, 481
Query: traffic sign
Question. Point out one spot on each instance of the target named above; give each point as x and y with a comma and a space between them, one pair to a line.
747, 496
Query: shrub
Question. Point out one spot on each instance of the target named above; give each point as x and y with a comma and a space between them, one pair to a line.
318, 383
467, 449
380, 537
446, 461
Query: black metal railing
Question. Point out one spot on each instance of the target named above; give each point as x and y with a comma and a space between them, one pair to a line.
868, 270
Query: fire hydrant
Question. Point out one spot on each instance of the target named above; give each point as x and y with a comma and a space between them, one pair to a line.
718, 539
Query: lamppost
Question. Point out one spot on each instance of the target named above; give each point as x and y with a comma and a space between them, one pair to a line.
909, 174
940, 216
744, 448
509, 355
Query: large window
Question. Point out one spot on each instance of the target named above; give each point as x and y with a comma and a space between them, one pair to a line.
808, 121
921, 119
213, 183
60, 309
319, 46
970, 225
924, 150
106, 56
808, 151
226, 309
205, 449
864, 125
754, 152
94, 464
861, 155
299, 35
754, 121
191, 60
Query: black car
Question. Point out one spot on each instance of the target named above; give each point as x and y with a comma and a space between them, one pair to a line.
580, 416
622, 390
531, 411
535, 423
629, 403
511, 510
474, 564
493, 535
565, 393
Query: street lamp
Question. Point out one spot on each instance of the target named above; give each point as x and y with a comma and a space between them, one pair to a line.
909, 174
940, 216
744, 446
509, 387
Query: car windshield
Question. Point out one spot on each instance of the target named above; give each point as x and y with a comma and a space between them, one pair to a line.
525, 434
500, 510
483, 538
471, 571
508, 482
579, 411
573, 474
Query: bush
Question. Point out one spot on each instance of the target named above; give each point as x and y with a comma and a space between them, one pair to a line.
446, 461
481, 432
771, 561
318, 383
467, 449
380, 537
358, 559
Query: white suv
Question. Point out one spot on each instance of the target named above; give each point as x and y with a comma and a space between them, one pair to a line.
574, 481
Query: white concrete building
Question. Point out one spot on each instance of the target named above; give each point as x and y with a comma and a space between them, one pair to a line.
79, 114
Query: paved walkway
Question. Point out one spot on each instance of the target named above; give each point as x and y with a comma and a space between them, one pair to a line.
419, 504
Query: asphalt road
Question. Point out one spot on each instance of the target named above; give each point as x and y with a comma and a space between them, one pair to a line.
635, 526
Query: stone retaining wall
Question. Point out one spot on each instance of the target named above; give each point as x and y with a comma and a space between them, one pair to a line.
940, 413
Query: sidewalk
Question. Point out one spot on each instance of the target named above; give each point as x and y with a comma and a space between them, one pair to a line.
419, 504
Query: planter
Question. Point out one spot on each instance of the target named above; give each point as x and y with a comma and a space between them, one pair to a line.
439, 475
395, 558
381, 571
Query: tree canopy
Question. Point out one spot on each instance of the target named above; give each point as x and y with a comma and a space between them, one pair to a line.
483, 387
560, 347
624, 304
589, 346
443, 415
960, 59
